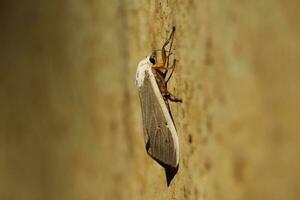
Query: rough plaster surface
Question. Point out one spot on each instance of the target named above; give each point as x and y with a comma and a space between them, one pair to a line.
70, 120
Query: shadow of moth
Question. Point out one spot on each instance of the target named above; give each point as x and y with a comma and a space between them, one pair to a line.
159, 130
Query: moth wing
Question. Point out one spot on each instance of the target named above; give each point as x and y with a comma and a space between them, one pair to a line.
159, 140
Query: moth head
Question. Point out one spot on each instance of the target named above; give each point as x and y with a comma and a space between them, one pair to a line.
152, 57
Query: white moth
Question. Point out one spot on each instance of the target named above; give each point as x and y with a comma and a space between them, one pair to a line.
159, 130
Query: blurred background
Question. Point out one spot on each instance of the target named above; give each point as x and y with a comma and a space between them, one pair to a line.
70, 119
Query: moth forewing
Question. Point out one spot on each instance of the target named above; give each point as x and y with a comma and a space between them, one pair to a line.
159, 130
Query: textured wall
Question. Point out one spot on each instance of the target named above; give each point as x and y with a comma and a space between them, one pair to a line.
70, 120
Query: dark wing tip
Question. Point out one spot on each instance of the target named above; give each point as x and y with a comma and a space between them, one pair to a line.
170, 173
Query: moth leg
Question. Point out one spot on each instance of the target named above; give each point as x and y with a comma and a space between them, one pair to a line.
159, 50
170, 39
167, 68
164, 56
158, 65
172, 67
171, 97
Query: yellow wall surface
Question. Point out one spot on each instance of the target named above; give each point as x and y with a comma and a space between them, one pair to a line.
70, 119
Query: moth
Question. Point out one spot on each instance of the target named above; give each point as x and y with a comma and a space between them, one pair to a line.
160, 133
